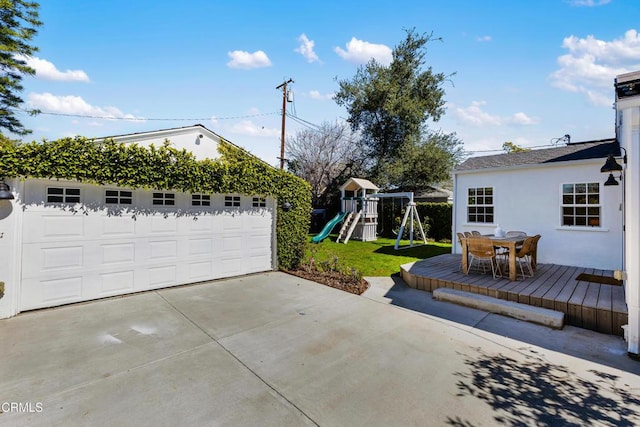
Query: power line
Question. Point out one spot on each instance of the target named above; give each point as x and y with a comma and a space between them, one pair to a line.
141, 119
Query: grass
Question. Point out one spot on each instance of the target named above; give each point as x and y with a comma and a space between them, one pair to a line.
376, 258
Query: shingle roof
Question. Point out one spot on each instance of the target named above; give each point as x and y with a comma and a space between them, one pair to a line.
575, 151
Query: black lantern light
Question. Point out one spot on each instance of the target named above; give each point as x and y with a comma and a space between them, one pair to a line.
5, 192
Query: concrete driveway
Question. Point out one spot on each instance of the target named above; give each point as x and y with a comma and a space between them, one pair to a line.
276, 350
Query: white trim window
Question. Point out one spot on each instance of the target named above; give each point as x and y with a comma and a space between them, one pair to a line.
118, 197
200, 200
259, 202
231, 201
480, 208
163, 199
63, 195
581, 205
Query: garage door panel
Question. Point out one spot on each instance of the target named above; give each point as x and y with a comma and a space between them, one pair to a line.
201, 270
112, 226
117, 283
53, 227
162, 276
164, 249
118, 253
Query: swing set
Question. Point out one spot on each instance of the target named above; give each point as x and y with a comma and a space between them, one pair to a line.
359, 214
410, 214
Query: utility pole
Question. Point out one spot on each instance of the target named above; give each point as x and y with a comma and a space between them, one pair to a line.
284, 115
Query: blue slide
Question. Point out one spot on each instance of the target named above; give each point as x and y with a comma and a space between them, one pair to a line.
329, 227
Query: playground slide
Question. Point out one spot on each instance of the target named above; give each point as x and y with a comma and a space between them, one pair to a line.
329, 227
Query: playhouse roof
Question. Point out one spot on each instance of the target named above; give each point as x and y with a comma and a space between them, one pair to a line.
570, 152
354, 184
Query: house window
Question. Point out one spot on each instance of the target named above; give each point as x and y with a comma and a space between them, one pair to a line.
581, 204
259, 202
118, 197
200, 200
63, 195
480, 205
231, 201
164, 199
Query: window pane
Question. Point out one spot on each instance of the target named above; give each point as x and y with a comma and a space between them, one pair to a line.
593, 211
112, 193
567, 220
594, 187
169, 196
567, 188
580, 210
489, 210
594, 199
112, 200
472, 200
54, 199
567, 199
489, 218
72, 199
581, 188
157, 195
73, 191
488, 200
472, 192
126, 194
567, 211
54, 191
488, 191
157, 202
472, 218
126, 201
581, 199
480, 191
580, 220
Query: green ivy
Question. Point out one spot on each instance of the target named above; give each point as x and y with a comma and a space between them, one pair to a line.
167, 168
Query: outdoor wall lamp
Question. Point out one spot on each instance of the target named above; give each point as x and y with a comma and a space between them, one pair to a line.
611, 165
286, 206
5, 191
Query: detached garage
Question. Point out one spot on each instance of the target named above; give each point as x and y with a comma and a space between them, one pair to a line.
68, 240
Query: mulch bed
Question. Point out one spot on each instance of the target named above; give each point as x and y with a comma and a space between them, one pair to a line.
333, 279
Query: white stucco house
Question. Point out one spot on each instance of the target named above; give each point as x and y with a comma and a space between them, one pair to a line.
65, 241
555, 192
586, 218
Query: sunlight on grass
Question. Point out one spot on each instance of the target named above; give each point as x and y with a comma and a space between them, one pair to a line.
376, 258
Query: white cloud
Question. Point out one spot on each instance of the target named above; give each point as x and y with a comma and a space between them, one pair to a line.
588, 3
47, 70
476, 116
591, 65
306, 48
361, 52
245, 60
483, 38
75, 105
314, 94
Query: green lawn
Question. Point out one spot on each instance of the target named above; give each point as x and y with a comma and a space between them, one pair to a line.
373, 258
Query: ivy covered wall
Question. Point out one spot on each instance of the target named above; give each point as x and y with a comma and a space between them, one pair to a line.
167, 168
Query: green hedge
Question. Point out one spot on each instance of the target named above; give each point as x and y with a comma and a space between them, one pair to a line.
166, 168
437, 215
440, 219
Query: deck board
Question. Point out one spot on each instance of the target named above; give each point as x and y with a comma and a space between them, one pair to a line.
585, 304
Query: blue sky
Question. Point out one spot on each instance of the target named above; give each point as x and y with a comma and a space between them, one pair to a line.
525, 71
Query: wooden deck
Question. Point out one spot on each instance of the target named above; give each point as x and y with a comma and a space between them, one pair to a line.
587, 305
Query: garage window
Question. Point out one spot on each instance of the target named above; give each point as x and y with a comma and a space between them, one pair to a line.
164, 199
231, 201
118, 197
200, 200
63, 195
259, 202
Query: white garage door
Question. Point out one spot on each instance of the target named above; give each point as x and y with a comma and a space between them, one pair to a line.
83, 242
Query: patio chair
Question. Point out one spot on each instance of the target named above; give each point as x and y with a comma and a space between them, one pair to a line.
482, 252
467, 234
461, 240
515, 233
524, 255
475, 233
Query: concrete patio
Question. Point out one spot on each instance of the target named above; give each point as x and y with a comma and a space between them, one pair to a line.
273, 349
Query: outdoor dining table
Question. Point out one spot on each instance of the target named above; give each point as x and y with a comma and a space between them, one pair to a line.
505, 242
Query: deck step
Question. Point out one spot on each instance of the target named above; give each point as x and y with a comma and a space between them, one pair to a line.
542, 316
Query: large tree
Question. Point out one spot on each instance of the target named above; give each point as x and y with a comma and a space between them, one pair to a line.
18, 24
325, 158
389, 105
427, 161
